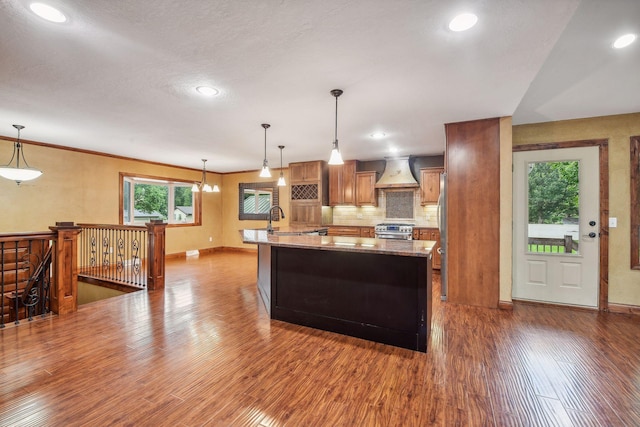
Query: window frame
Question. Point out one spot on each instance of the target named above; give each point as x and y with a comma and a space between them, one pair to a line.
634, 222
275, 200
197, 197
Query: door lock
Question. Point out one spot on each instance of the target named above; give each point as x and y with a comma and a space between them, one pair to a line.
592, 223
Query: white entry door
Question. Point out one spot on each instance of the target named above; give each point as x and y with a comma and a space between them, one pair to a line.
556, 226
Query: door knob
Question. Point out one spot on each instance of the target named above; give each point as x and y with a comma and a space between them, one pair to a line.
592, 234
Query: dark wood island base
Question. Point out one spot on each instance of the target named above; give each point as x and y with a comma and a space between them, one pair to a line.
345, 285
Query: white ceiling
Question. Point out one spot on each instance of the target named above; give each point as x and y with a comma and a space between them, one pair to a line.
119, 77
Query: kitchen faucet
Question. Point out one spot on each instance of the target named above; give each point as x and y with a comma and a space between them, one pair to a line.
269, 227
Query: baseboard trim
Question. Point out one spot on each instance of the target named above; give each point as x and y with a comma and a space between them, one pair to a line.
553, 305
505, 305
624, 309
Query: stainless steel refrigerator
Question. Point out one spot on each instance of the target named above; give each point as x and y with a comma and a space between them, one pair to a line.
442, 227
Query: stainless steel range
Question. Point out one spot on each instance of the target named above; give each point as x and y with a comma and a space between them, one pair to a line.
394, 231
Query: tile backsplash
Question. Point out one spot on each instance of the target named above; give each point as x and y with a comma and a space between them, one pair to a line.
423, 216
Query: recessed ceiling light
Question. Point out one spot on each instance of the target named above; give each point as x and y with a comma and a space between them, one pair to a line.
207, 91
378, 135
47, 12
624, 41
393, 150
463, 22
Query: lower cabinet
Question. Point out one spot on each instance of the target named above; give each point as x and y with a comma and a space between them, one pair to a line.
430, 234
367, 232
338, 230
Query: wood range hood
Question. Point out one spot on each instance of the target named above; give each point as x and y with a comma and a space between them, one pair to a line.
397, 174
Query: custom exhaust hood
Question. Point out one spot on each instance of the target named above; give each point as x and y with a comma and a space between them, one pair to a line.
397, 174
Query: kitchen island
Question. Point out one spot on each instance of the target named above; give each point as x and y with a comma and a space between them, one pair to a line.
374, 289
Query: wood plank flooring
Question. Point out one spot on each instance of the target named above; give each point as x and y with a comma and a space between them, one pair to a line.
204, 353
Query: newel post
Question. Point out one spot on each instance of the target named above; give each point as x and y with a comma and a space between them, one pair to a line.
155, 254
64, 289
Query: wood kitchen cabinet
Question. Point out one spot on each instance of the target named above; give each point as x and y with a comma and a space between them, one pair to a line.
306, 171
340, 230
434, 235
367, 232
366, 192
430, 185
342, 184
309, 192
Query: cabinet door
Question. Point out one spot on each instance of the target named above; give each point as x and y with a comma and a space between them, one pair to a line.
349, 182
344, 231
366, 193
296, 172
435, 236
429, 185
367, 232
305, 171
342, 184
305, 213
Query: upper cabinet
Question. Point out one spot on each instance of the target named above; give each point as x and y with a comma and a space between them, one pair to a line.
430, 185
366, 192
342, 184
306, 171
309, 192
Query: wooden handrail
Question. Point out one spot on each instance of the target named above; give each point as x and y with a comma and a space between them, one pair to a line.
33, 235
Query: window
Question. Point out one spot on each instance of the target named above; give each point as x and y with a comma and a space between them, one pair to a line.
635, 202
146, 198
255, 200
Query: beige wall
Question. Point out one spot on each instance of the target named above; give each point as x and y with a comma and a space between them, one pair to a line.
84, 188
230, 193
624, 283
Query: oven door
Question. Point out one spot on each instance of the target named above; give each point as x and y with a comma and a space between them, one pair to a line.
392, 235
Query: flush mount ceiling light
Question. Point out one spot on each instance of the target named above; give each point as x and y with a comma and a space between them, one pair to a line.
265, 172
281, 181
378, 135
203, 186
47, 12
207, 91
17, 173
336, 157
624, 41
463, 22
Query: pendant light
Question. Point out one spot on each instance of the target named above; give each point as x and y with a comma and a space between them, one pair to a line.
206, 188
336, 157
281, 181
17, 173
265, 173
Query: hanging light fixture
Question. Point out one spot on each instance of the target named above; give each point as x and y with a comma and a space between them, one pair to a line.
281, 181
206, 188
336, 157
17, 173
265, 173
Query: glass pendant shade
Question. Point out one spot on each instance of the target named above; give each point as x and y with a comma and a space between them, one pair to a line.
281, 181
336, 157
17, 173
265, 172
216, 189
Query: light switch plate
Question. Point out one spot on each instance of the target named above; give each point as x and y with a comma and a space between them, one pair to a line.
613, 222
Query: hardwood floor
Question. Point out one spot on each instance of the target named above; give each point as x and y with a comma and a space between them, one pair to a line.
204, 353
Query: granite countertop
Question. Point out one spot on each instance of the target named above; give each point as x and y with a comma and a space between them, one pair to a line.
416, 248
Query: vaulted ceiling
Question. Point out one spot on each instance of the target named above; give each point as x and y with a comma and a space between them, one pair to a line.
120, 77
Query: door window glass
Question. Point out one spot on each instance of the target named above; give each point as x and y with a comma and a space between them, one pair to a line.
554, 207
